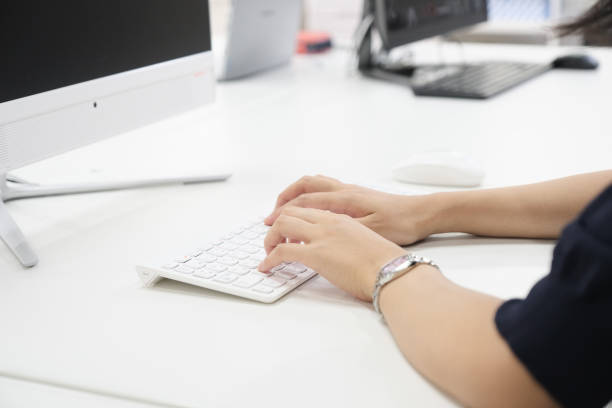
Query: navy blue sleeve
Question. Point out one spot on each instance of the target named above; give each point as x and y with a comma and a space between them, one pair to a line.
562, 331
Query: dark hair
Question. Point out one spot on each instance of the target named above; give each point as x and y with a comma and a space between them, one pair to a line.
597, 19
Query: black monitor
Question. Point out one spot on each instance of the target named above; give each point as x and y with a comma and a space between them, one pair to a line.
401, 22
53, 44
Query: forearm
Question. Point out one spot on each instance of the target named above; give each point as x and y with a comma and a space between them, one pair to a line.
448, 334
538, 210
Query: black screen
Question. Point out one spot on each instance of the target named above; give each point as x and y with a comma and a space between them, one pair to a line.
49, 44
404, 21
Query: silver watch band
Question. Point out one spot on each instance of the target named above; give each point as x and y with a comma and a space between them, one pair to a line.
393, 270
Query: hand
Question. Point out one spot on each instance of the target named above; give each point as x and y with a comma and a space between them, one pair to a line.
338, 247
401, 219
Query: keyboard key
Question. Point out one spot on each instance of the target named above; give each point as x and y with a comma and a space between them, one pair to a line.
248, 281
205, 274
184, 269
295, 268
278, 268
285, 275
261, 228
195, 264
251, 249
260, 274
217, 252
227, 261
263, 289
196, 253
249, 263
250, 235
226, 277
207, 258
239, 240
228, 246
274, 282
239, 270
239, 255
258, 257
217, 267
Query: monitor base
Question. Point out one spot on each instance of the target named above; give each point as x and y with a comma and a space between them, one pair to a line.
410, 75
15, 240
14, 188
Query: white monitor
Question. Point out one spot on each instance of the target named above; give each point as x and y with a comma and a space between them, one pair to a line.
78, 71
261, 34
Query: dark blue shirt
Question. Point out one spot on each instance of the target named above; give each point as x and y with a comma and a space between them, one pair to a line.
562, 331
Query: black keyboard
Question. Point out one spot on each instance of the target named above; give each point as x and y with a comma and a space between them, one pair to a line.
479, 81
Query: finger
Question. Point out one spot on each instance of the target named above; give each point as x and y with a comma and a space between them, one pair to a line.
310, 215
287, 227
337, 201
284, 253
306, 184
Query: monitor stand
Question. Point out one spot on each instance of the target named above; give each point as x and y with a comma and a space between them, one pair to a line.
14, 188
369, 61
412, 75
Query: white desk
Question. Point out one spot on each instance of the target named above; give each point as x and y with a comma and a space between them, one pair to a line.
80, 320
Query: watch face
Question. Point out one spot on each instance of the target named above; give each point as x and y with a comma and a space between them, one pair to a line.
402, 263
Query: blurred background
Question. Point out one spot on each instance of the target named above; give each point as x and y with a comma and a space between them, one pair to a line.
510, 21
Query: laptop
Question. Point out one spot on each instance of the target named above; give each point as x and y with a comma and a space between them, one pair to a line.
261, 35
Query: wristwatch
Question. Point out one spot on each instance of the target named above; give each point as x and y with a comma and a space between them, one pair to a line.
393, 270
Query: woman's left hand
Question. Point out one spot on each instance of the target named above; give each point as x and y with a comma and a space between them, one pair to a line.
338, 247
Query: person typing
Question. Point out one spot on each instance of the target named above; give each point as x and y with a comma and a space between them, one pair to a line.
551, 348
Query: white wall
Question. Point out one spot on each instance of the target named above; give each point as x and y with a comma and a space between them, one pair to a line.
219, 16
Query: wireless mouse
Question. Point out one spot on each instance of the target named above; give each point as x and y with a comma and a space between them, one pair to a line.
441, 169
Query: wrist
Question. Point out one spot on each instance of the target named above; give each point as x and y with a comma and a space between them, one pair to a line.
445, 211
417, 280
395, 269
371, 273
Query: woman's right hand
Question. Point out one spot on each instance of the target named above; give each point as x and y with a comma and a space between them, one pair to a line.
401, 219
338, 247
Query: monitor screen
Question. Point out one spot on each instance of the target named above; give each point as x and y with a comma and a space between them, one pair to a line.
50, 44
403, 21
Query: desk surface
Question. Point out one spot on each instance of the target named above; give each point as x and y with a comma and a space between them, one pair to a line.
81, 321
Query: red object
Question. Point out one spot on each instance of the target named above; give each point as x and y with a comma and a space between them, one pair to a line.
313, 42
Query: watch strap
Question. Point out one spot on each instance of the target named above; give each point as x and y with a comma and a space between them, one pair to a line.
393, 270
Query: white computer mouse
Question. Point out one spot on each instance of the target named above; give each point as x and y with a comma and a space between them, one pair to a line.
440, 168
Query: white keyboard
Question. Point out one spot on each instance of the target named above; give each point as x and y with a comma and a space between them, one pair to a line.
230, 265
